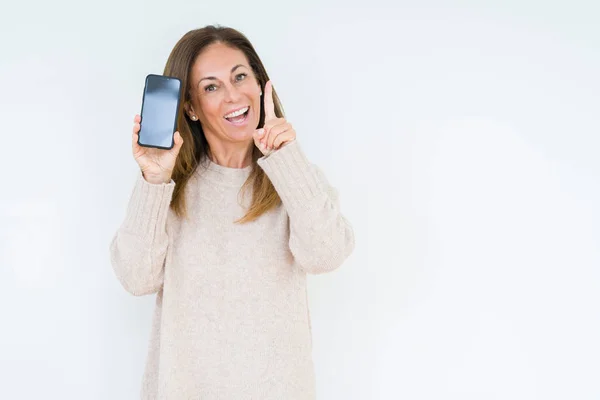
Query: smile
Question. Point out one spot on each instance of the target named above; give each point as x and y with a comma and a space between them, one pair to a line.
238, 117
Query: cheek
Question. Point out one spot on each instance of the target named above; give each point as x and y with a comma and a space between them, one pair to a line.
210, 109
257, 106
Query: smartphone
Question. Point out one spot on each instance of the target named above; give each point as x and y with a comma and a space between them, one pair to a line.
160, 104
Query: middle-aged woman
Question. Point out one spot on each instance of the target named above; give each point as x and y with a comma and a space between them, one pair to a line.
224, 227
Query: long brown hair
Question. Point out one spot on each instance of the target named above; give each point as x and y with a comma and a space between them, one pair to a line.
195, 146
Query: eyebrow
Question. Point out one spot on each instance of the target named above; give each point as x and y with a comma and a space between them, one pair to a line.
213, 78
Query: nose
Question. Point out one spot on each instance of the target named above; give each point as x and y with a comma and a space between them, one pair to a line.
232, 94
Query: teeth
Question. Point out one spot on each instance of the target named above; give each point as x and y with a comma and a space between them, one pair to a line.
235, 114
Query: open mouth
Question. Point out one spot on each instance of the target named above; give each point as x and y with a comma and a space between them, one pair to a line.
238, 117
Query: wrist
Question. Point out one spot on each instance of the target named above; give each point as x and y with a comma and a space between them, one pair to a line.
156, 179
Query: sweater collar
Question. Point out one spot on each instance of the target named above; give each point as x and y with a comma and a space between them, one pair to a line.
223, 175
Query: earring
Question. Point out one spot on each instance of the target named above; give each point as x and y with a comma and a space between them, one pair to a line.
194, 118
261, 92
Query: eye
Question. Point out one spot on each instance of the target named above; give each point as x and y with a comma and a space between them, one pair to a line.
242, 74
206, 88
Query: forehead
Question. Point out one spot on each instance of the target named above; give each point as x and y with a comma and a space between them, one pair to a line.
217, 60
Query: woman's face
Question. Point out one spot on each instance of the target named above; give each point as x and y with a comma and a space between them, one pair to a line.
222, 83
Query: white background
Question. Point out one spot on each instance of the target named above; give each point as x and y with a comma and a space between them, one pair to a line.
463, 138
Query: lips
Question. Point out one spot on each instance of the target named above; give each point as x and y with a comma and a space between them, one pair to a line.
235, 111
239, 120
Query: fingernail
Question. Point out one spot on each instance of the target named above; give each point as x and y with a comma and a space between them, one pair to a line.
261, 132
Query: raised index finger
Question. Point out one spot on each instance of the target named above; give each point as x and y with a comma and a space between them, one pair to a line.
269, 104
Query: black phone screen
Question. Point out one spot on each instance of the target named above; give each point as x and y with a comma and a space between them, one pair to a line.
160, 103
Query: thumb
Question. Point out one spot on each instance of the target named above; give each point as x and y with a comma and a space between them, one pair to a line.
178, 143
258, 134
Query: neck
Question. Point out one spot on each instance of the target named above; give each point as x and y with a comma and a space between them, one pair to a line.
231, 155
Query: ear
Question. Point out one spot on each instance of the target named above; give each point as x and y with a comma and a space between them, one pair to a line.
189, 110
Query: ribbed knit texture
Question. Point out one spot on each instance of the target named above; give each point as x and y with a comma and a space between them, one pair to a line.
231, 318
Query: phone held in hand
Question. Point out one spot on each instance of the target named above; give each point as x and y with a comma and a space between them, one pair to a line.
160, 104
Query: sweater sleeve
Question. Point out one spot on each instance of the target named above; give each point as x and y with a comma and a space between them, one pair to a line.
320, 236
139, 247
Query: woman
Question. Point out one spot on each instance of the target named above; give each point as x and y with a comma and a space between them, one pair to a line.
224, 228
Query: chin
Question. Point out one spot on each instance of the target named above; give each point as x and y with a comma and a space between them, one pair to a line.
240, 135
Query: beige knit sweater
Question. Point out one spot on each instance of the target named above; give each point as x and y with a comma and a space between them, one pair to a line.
231, 318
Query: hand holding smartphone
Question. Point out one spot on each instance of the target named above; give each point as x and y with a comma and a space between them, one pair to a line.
155, 147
